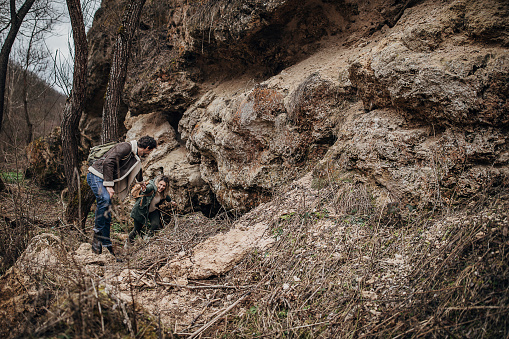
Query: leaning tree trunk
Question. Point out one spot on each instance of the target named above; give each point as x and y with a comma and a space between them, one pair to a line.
73, 109
118, 71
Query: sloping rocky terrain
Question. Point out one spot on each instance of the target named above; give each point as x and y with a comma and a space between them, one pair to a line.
363, 145
315, 261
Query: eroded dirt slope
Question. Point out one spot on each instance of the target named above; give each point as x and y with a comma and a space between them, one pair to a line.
317, 256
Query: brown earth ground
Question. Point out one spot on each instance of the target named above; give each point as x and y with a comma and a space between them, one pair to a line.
325, 265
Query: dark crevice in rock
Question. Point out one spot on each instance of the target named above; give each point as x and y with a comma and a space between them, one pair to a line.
173, 119
274, 39
213, 209
399, 8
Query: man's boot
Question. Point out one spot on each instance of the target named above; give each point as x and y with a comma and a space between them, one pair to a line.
110, 248
97, 246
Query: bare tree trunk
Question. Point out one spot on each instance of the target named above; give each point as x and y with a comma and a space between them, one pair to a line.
30, 126
74, 105
16, 20
7, 104
118, 71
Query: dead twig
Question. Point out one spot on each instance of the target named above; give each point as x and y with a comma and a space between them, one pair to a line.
466, 308
194, 287
296, 328
98, 304
148, 269
219, 316
201, 313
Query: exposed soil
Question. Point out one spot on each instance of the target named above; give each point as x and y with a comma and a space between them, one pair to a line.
321, 264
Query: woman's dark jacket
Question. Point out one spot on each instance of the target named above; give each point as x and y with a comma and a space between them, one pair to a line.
140, 209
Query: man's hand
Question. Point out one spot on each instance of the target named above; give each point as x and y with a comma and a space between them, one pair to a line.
111, 191
143, 185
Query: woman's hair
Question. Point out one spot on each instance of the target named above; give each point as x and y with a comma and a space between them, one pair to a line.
166, 180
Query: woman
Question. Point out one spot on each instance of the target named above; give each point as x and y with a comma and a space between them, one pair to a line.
145, 209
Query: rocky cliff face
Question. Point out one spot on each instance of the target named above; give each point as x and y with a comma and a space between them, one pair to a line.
408, 99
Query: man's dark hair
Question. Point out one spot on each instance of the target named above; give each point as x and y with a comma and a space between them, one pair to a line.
147, 142
165, 179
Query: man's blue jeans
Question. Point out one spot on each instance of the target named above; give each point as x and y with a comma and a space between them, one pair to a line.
103, 211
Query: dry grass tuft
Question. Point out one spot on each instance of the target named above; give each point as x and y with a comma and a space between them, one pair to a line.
181, 235
339, 275
353, 199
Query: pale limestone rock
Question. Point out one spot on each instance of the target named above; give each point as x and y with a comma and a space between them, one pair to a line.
218, 254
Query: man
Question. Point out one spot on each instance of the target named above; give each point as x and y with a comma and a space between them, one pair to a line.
113, 174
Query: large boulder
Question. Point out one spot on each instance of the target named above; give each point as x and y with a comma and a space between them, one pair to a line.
429, 67
429, 129
251, 143
416, 166
413, 97
156, 126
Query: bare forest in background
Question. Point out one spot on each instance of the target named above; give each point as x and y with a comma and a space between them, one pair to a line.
32, 109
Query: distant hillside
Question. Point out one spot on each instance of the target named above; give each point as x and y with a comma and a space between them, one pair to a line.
33, 108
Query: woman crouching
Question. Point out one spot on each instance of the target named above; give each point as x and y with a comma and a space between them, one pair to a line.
146, 210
